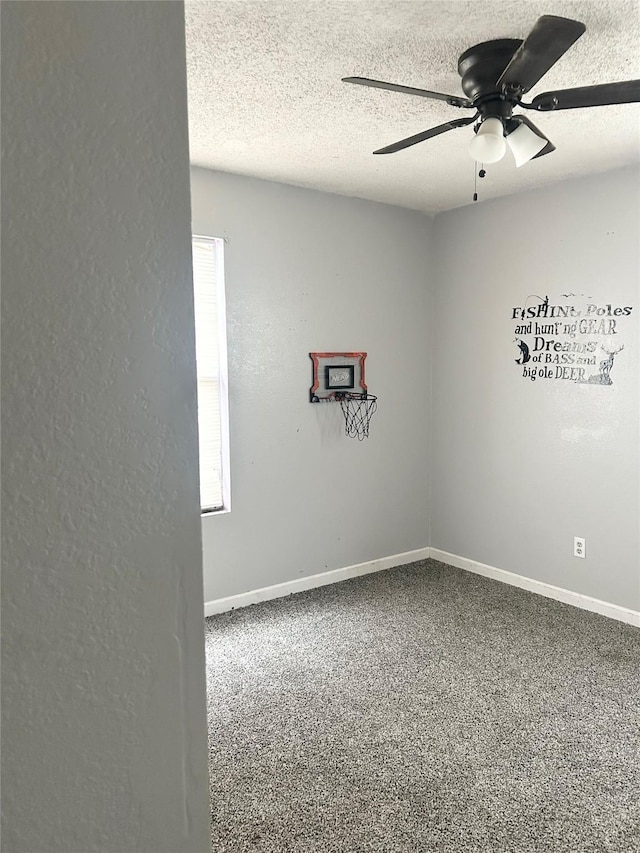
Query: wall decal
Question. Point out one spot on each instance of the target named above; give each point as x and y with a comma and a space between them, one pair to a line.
575, 341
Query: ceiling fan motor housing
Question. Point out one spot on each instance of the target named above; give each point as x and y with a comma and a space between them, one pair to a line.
481, 66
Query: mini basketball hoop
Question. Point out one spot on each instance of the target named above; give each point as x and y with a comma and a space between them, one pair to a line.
338, 377
358, 409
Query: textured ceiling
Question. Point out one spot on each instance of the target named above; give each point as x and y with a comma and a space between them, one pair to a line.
266, 97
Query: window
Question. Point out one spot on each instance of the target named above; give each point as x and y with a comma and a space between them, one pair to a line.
211, 364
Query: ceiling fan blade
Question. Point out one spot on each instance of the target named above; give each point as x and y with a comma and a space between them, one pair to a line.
426, 134
549, 39
627, 92
453, 100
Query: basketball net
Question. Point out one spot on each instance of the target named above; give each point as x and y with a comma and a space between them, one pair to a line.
358, 409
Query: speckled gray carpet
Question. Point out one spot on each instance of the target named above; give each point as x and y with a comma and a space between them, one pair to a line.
423, 709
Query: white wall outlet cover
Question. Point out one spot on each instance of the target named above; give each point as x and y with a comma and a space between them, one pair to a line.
579, 547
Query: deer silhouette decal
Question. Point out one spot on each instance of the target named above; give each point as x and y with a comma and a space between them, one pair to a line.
604, 378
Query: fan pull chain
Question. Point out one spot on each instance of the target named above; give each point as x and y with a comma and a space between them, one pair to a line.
477, 174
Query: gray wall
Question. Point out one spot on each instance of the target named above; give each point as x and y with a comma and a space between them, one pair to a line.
307, 271
520, 467
104, 732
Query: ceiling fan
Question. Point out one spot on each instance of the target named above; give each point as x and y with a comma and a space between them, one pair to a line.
495, 76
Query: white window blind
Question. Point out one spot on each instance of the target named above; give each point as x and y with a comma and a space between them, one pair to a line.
209, 309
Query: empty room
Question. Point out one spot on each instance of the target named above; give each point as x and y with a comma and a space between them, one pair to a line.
321, 427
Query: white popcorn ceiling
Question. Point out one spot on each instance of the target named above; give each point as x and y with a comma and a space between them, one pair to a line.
266, 97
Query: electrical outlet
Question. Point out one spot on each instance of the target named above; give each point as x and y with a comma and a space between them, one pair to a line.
579, 547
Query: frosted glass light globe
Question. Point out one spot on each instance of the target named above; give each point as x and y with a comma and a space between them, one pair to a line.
488, 145
525, 144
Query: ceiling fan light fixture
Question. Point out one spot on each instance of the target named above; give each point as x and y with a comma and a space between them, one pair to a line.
488, 145
525, 144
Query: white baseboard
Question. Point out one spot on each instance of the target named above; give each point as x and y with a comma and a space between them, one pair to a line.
279, 590
585, 602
